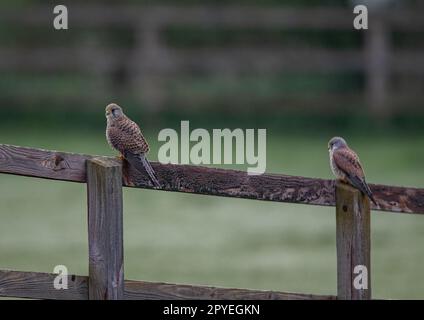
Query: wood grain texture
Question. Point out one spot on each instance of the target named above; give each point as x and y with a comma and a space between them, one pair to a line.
135, 290
207, 181
353, 232
42, 163
105, 229
37, 285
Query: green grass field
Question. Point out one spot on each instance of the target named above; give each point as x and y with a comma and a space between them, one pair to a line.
218, 241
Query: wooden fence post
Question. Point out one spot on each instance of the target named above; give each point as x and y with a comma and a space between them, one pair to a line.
353, 244
105, 229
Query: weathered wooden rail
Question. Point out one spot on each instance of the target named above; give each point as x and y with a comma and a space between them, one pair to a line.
105, 177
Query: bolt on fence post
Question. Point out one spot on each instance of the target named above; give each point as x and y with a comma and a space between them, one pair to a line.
353, 243
105, 229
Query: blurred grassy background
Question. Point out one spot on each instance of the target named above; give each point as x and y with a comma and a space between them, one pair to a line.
217, 241
198, 239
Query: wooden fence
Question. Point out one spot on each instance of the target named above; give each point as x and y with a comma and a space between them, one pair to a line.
148, 66
105, 177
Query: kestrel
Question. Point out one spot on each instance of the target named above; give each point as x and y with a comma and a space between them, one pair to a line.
346, 166
125, 136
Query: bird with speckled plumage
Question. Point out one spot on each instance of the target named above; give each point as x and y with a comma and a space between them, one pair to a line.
345, 164
125, 136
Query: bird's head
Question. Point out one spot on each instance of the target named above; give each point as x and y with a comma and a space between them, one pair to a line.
113, 111
336, 143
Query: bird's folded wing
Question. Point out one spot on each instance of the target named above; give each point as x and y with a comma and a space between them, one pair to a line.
348, 162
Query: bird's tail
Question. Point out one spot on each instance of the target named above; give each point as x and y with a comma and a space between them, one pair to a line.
140, 162
363, 186
150, 171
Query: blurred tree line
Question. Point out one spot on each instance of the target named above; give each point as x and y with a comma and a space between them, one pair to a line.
53, 76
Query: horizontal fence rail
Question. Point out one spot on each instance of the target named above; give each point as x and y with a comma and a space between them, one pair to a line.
37, 285
207, 181
105, 177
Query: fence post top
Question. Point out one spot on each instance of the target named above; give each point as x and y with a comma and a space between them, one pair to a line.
106, 162
346, 187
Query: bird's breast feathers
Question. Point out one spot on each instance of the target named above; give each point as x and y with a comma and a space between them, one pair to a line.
124, 135
336, 171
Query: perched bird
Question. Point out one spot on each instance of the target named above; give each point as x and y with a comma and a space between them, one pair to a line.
125, 136
346, 166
